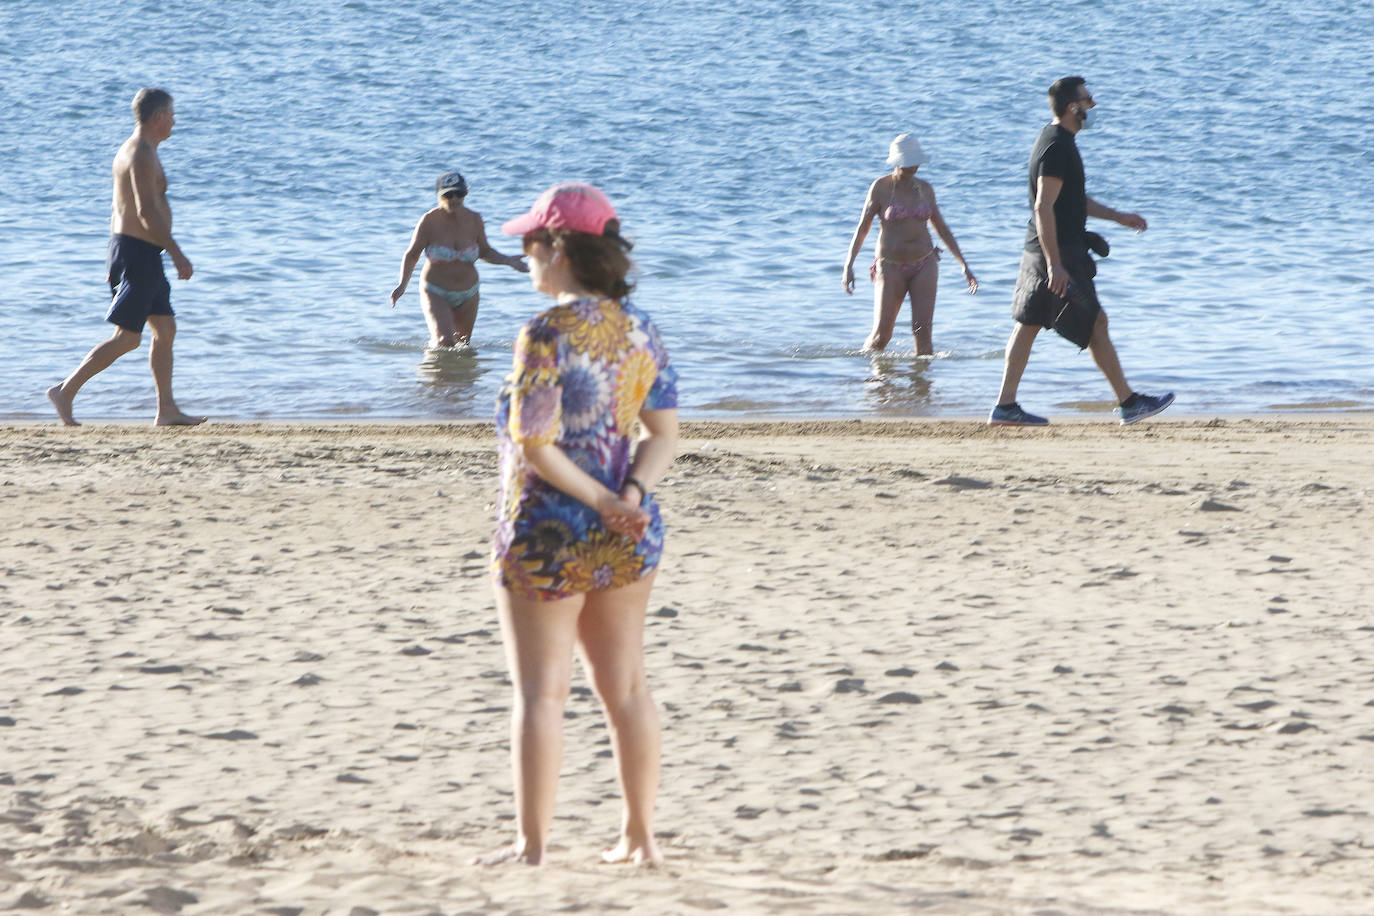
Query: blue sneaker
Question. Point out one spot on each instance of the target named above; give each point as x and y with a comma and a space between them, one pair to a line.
1142, 406
1013, 415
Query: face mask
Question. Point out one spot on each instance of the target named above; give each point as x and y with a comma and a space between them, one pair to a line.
1088, 117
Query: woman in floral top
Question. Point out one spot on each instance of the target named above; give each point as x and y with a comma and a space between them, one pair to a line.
579, 535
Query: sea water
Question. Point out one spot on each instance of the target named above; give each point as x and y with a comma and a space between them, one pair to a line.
737, 141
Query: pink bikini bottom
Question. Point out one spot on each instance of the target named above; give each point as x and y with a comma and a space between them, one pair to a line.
910, 270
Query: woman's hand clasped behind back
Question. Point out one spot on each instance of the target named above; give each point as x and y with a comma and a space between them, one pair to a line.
624, 516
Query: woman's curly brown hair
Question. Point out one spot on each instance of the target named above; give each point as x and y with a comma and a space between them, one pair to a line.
599, 263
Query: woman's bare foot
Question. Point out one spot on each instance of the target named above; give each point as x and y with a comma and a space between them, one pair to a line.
507, 854
633, 853
63, 405
178, 419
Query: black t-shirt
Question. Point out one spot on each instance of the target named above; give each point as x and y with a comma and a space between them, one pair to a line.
1056, 156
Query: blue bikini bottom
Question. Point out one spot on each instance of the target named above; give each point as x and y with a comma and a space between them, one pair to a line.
455, 298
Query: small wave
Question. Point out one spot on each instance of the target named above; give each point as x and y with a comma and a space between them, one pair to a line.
1323, 405
733, 404
1087, 406
824, 351
457, 351
743, 405
390, 346
349, 409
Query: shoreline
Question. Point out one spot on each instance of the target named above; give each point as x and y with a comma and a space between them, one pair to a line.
901, 664
705, 426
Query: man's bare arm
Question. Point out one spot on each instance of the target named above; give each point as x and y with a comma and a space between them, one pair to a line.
152, 209
1046, 193
150, 203
1129, 220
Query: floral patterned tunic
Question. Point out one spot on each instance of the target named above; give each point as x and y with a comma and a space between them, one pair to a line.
582, 373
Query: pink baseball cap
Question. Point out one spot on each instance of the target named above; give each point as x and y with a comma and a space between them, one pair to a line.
571, 205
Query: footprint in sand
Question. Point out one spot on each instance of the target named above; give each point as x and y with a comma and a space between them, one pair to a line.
236, 734
899, 696
164, 899
962, 483
1215, 505
31, 900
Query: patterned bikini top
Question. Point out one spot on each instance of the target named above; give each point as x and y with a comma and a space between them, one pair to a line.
445, 253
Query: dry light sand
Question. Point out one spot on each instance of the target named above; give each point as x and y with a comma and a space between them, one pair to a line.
903, 667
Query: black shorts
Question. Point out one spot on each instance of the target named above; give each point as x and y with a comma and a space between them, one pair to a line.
137, 283
1072, 317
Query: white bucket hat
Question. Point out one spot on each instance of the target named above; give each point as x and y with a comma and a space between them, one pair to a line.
905, 151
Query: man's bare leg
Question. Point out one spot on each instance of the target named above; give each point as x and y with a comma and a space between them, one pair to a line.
100, 358
1104, 354
160, 361
1018, 354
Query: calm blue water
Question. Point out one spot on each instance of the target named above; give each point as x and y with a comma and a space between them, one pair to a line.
737, 142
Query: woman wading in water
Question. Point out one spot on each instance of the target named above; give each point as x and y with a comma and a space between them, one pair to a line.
906, 261
452, 239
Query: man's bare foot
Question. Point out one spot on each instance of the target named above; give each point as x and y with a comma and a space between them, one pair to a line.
63, 404
508, 854
178, 419
633, 853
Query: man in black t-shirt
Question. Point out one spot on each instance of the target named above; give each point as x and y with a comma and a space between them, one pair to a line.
1054, 288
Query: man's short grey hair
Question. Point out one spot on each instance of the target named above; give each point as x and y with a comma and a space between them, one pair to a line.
149, 102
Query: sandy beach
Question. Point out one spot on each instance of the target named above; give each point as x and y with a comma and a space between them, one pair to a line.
902, 666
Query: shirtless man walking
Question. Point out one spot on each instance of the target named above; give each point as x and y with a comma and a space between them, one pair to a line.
140, 230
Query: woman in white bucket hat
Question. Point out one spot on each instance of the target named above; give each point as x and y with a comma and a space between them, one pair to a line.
905, 263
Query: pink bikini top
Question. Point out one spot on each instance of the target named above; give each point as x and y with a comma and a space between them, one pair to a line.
899, 211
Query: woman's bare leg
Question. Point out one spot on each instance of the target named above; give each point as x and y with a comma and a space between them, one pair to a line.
922, 289
888, 293
439, 317
611, 636
464, 317
539, 638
